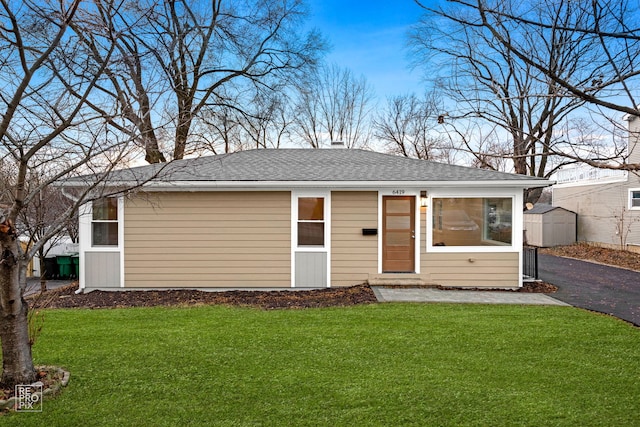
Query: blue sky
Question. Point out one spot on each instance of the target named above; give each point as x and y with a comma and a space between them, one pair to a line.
369, 37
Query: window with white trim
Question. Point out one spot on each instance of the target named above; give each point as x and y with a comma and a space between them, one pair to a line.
472, 221
634, 198
104, 222
311, 221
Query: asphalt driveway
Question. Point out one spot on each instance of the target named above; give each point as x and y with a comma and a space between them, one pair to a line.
596, 287
33, 285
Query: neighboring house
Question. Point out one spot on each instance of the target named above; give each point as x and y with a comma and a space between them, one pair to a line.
301, 218
607, 201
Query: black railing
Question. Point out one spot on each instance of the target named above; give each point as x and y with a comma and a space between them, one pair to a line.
530, 261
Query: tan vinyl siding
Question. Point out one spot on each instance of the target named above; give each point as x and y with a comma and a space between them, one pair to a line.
216, 239
491, 270
472, 269
353, 256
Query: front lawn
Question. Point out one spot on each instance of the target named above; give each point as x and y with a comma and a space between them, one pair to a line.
382, 364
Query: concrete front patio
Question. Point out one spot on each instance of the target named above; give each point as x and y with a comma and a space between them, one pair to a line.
386, 294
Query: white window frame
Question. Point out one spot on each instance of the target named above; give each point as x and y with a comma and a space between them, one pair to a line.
85, 244
323, 221
105, 221
516, 220
631, 199
85, 231
304, 193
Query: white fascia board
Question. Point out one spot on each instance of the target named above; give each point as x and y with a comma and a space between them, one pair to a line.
345, 185
605, 181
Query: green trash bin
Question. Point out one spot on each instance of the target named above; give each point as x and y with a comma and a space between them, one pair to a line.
64, 266
75, 260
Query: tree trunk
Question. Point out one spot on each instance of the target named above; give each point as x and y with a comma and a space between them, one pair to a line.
153, 153
17, 362
532, 195
182, 133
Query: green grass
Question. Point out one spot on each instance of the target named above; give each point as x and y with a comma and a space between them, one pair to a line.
385, 364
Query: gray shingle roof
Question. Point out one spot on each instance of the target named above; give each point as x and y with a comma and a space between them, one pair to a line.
308, 165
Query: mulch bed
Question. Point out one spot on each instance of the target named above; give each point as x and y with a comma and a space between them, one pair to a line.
331, 297
587, 252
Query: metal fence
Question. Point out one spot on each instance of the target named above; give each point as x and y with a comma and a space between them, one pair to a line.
530, 261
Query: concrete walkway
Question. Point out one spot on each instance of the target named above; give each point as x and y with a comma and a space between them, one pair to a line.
462, 296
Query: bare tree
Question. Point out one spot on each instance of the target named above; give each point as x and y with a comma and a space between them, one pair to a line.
492, 152
219, 130
623, 222
264, 122
49, 130
488, 82
408, 126
576, 53
106, 33
48, 207
179, 58
333, 105
268, 123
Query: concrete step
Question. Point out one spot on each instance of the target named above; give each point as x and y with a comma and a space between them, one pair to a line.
400, 279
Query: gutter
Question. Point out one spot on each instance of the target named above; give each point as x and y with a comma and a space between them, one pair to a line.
347, 185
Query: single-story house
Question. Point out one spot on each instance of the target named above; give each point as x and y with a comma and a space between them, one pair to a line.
304, 218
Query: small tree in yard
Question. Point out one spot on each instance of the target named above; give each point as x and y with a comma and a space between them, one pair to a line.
34, 220
624, 221
50, 129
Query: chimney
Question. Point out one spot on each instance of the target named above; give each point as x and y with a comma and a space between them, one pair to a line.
337, 144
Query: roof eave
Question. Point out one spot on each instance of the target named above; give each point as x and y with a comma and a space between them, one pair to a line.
211, 185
